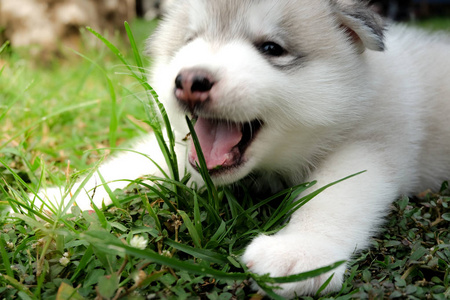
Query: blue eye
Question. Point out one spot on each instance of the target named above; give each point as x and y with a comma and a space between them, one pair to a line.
271, 49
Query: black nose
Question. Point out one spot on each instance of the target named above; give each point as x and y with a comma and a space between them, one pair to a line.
198, 83
193, 87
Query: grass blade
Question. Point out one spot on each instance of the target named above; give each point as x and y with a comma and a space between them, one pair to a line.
5, 259
191, 228
289, 210
3, 47
100, 215
136, 52
218, 235
152, 213
113, 125
113, 49
80, 188
87, 256
160, 259
324, 285
108, 191
200, 253
203, 169
197, 218
306, 275
24, 292
161, 196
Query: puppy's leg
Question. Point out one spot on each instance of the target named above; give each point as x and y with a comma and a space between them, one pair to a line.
331, 226
116, 172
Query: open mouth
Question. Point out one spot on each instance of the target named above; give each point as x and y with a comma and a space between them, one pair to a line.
223, 142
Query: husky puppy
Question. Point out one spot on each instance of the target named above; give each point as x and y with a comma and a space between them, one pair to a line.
298, 90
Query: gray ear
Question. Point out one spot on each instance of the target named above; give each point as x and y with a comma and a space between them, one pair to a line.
364, 26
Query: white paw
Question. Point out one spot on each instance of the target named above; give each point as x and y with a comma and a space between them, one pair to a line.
285, 254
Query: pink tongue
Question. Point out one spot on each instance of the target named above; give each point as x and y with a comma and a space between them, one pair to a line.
217, 140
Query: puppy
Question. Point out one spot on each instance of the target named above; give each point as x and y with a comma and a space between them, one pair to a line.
298, 90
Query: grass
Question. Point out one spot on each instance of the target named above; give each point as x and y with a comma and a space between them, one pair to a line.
168, 240
434, 24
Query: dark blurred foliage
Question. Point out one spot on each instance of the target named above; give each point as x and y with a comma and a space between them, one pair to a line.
406, 10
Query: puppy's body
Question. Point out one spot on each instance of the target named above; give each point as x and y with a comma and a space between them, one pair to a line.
331, 103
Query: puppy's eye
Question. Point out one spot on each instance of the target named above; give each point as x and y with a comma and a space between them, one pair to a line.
271, 49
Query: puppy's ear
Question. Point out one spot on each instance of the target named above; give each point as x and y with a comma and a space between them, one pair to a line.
364, 26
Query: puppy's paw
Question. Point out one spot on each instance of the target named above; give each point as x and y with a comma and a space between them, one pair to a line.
289, 254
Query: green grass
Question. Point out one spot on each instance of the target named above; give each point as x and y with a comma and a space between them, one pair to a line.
434, 24
191, 238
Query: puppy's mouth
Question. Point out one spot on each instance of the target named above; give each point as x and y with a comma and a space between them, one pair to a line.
223, 143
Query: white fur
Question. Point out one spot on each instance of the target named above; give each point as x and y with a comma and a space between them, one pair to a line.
342, 109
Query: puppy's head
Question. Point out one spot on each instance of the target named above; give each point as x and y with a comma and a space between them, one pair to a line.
266, 80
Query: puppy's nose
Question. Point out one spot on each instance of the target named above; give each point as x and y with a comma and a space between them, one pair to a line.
193, 87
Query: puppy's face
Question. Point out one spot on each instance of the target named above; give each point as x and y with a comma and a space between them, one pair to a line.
262, 78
